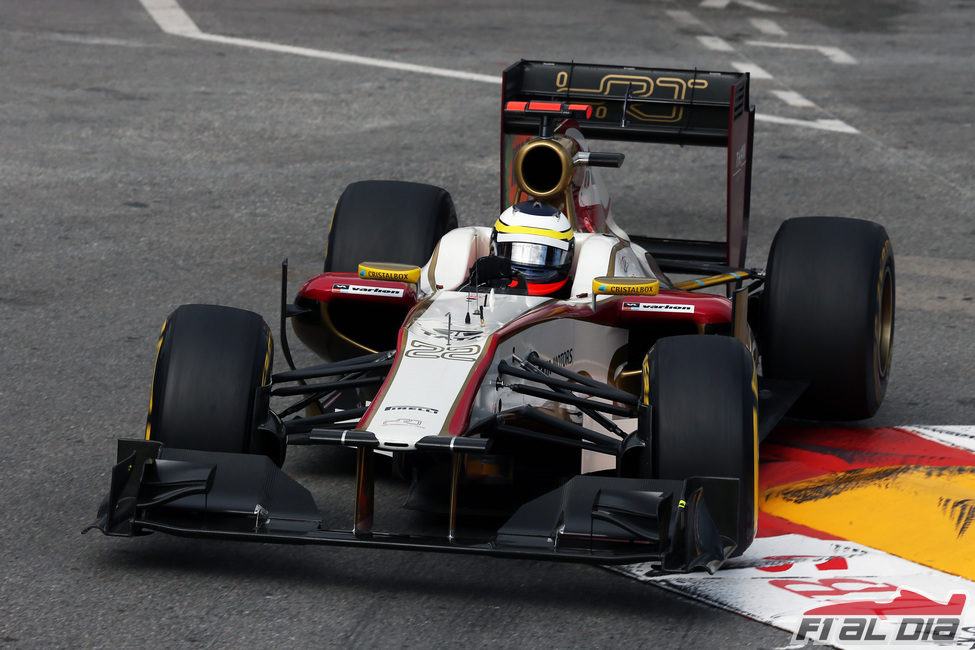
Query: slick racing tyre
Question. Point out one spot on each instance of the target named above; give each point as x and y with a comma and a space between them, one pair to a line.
702, 417
211, 364
828, 315
387, 221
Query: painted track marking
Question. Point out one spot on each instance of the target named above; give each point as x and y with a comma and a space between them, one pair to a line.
715, 43
750, 4
837, 126
685, 18
766, 26
792, 572
756, 71
792, 98
173, 20
834, 54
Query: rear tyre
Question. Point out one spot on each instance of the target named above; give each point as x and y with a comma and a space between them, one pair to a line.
206, 389
387, 221
828, 314
702, 419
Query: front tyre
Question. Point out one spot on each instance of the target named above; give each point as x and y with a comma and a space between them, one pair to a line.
207, 395
702, 418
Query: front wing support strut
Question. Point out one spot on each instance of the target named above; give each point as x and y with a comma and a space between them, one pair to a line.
365, 489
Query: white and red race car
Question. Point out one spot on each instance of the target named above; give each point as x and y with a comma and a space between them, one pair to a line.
612, 417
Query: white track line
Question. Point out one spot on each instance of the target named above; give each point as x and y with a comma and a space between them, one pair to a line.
685, 18
751, 4
834, 54
756, 72
836, 126
768, 27
792, 98
715, 43
173, 20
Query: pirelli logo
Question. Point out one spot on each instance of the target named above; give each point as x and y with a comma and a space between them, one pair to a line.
422, 409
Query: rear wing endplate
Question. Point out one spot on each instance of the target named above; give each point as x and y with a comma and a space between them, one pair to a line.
685, 107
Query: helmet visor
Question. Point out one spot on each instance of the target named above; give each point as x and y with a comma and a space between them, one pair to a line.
531, 254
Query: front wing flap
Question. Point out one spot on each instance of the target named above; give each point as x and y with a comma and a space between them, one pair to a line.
246, 497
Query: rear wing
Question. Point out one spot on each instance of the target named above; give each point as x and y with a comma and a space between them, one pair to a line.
685, 107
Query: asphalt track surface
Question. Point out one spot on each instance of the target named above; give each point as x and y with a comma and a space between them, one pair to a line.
141, 170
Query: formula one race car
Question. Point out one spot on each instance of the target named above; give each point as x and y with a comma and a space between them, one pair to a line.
543, 384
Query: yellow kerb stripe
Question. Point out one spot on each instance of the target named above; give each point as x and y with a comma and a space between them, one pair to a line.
913, 511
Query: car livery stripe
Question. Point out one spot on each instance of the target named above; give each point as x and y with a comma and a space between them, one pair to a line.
432, 268
755, 438
267, 359
415, 313
646, 382
152, 386
459, 416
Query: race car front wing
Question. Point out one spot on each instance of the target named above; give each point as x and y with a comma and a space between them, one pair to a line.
596, 519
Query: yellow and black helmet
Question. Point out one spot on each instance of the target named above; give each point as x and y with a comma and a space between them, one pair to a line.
538, 241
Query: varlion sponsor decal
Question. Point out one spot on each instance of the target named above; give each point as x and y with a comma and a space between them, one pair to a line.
367, 290
673, 308
395, 272
625, 286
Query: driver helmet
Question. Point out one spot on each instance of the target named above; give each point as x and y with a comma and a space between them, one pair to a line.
538, 241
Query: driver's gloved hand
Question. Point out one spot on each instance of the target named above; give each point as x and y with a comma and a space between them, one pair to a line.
495, 272
490, 267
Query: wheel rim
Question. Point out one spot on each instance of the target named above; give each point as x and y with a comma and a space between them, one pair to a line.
885, 324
